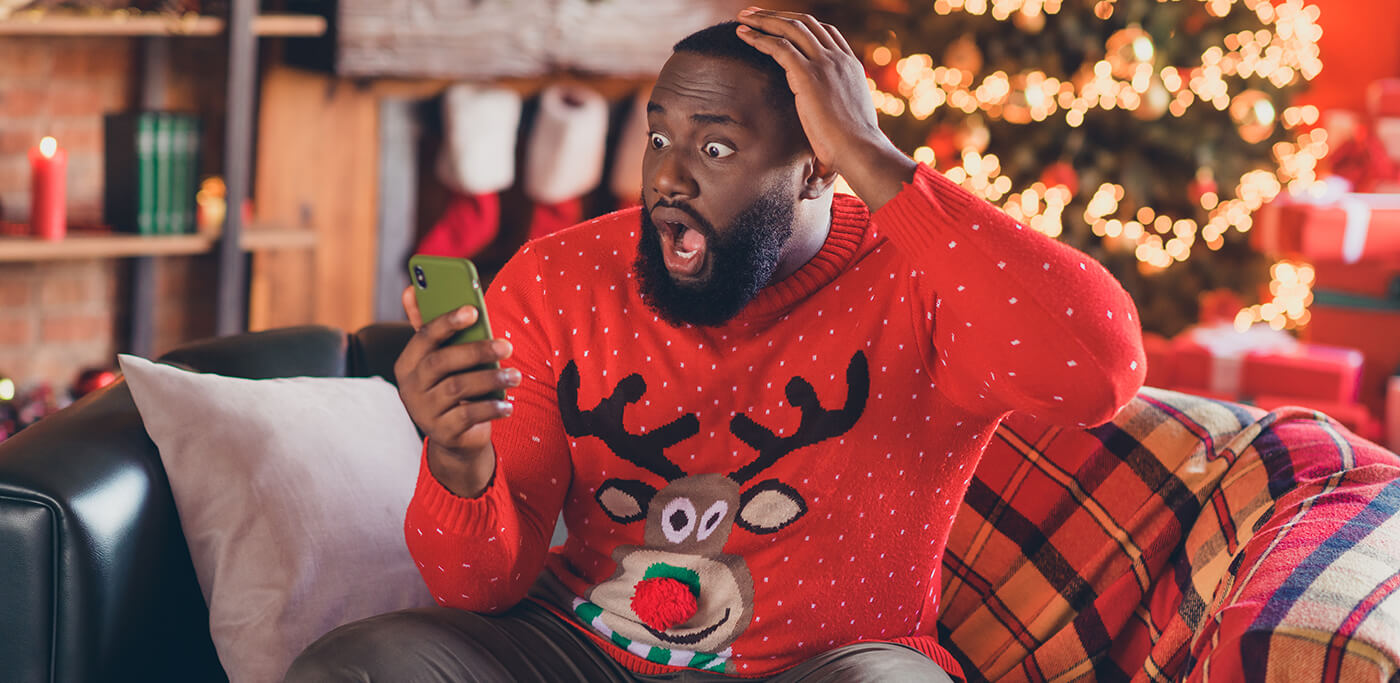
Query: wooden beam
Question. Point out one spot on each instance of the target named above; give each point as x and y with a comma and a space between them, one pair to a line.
398, 203
153, 83
231, 309
318, 170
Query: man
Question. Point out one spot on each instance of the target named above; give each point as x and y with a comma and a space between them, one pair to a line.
756, 403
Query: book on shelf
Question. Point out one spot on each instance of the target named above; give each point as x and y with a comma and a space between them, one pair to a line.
150, 171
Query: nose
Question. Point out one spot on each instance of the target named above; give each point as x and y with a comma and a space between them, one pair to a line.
671, 179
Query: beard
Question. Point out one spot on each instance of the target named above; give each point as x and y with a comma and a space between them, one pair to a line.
742, 262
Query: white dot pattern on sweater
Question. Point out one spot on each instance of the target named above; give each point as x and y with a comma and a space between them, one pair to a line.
685, 362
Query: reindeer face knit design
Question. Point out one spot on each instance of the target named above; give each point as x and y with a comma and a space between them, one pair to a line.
689, 519
744, 497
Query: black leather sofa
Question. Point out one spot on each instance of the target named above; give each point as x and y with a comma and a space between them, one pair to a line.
96, 582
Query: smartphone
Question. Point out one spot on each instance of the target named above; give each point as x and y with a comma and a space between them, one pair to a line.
441, 285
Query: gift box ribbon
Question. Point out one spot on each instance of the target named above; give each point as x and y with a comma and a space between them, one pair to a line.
1357, 206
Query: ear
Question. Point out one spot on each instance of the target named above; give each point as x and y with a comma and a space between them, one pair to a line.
625, 500
769, 506
817, 178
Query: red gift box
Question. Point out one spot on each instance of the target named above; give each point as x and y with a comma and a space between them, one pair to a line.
1352, 227
1209, 359
1222, 363
1196, 370
1330, 374
1159, 360
1352, 307
1383, 98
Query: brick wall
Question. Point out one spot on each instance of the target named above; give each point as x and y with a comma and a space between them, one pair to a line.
59, 87
58, 317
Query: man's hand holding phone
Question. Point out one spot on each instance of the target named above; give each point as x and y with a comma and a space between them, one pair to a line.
448, 397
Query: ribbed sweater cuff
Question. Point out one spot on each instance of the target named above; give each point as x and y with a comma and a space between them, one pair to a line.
905, 219
930, 648
455, 514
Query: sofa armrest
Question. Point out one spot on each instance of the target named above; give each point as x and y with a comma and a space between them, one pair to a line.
375, 348
96, 582
1308, 593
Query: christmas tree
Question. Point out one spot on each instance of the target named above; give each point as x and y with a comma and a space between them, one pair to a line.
1144, 132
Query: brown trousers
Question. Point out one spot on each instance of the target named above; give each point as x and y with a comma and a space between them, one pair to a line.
530, 643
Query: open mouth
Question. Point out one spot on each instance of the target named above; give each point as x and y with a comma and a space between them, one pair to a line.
690, 638
683, 248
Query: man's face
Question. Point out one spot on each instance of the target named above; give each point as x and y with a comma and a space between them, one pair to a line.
721, 178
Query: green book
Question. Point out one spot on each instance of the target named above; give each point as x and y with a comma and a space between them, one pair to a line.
146, 174
164, 125
182, 181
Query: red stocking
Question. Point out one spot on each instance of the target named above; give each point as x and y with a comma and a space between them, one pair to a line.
550, 218
469, 224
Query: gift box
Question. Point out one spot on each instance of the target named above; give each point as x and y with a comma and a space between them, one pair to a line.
1307, 372
1354, 307
1209, 359
1345, 227
1383, 98
1223, 363
1383, 104
1158, 350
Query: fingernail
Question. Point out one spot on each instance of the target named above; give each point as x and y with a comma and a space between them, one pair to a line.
747, 11
501, 347
505, 407
462, 314
512, 376
744, 29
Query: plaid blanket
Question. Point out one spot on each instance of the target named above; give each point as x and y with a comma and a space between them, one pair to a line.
1188, 539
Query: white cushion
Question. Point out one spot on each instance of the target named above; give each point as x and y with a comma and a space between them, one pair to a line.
291, 494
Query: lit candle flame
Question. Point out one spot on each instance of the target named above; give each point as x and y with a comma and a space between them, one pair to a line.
48, 146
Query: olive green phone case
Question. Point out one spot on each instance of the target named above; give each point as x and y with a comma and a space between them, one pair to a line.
442, 285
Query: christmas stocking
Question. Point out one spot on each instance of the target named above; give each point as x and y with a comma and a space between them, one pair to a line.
564, 157
626, 180
477, 162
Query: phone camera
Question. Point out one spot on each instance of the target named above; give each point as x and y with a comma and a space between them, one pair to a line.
420, 277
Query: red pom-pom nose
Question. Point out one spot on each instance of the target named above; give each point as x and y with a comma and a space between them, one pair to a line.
662, 602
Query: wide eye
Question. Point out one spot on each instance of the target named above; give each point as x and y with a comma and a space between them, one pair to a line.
658, 141
678, 519
716, 150
711, 519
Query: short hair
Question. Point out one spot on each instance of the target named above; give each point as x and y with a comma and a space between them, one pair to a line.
721, 40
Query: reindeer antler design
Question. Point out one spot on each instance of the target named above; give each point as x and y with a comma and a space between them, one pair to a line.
605, 422
818, 423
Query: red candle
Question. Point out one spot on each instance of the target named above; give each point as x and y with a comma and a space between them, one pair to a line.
48, 207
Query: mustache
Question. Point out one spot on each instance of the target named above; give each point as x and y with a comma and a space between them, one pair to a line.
687, 210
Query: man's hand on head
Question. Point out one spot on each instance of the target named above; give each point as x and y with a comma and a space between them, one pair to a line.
832, 99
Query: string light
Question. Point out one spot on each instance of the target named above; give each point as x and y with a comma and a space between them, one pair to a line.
1291, 286
1283, 51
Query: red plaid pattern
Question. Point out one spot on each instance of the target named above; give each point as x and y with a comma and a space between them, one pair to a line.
1188, 539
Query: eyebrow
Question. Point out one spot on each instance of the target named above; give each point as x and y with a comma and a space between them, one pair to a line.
720, 119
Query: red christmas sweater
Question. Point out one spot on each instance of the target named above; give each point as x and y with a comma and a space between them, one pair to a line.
741, 498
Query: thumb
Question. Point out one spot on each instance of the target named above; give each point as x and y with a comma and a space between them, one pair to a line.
410, 306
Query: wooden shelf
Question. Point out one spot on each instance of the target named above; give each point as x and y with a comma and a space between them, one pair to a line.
118, 24
96, 246
289, 25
